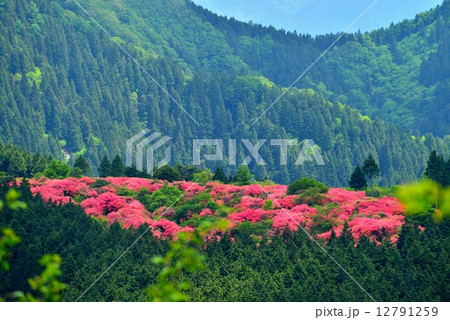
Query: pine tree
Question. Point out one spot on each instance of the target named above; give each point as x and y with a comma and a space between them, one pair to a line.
357, 179
435, 168
371, 169
83, 165
17, 166
117, 167
243, 176
104, 169
219, 175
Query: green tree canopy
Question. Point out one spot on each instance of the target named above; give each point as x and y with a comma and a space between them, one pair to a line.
57, 170
82, 163
168, 173
243, 176
371, 169
357, 179
117, 167
104, 169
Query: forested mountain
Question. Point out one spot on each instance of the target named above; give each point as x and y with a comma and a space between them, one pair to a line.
67, 86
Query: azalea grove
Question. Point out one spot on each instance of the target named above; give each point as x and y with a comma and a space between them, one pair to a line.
258, 252
169, 208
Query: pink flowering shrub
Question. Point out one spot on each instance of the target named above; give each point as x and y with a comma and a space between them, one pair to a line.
205, 212
134, 184
299, 215
194, 188
254, 190
164, 228
343, 196
249, 202
251, 215
372, 217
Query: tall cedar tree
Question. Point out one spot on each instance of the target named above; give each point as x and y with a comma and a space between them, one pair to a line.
436, 168
243, 176
358, 180
219, 175
104, 169
371, 169
117, 167
83, 165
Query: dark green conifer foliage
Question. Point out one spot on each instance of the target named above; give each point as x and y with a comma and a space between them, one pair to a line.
104, 169
117, 167
371, 169
243, 176
358, 179
83, 165
168, 173
435, 167
219, 175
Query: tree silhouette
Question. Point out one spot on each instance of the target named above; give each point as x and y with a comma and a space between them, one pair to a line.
371, 169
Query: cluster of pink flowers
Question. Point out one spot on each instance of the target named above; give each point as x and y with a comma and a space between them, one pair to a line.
343, 196
61, 191
194, 188
298, 215
252, 215
134, 184
364, 215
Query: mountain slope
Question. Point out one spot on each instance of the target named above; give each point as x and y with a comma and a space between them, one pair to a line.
377, 74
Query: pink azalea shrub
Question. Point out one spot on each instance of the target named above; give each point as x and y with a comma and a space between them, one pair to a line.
249, 202
134, 184
374, 218
298, 215
343, 196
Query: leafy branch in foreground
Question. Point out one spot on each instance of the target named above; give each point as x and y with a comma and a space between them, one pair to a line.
424, 197
47, 284
9, 238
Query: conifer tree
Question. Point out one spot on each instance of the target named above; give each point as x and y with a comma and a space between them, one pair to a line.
357, 179
371, 169
117, 167
219, 175
104, 169
83, 165
243, 176
435, 168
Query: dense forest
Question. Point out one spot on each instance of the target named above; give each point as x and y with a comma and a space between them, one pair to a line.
68, 90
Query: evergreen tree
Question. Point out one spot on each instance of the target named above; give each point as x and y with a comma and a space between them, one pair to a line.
358, 179
104, 169
117, 167
371, 169
83, 165
17, 166
436, 168
57, 170
167, 173
219, 175
243, 176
